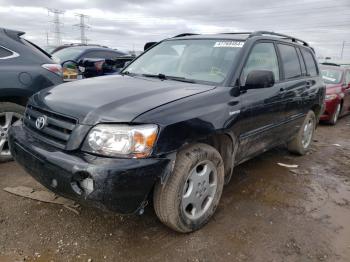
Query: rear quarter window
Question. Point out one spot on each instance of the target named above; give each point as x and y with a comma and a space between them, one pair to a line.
290, 61
310, 62
5, 53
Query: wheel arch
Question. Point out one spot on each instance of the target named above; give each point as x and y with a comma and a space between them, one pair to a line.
317, 109
19, 100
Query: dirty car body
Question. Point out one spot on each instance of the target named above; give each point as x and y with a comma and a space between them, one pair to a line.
208, 104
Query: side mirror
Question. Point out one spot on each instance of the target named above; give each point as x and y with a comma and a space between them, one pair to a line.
259, 79
149, 45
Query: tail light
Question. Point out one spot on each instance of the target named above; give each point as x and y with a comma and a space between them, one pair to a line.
54, 68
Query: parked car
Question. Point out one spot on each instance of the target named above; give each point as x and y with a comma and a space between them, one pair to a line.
172, 127
49, 49
93, 67
24, 70
70, 57
337, 101
60, 47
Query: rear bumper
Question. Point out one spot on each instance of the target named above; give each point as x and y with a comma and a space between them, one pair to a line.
119, 185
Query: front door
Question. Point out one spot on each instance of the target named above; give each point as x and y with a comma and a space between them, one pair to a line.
262, 112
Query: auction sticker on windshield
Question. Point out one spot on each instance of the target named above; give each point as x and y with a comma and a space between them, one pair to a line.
229, 44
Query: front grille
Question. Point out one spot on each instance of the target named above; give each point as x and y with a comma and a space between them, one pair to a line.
57, 130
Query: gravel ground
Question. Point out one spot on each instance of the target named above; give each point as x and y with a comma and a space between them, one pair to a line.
267, 213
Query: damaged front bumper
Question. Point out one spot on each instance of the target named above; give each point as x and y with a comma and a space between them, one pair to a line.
118, 185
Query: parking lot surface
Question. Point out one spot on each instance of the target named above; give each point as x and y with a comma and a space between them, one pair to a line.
267, 213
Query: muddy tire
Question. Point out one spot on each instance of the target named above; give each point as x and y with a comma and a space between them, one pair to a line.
335, 116
9, 114
301, 143
191, 194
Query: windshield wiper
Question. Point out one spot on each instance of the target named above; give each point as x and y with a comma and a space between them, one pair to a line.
166, 77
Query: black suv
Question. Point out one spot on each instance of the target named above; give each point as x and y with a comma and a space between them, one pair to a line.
24, 70
174, 124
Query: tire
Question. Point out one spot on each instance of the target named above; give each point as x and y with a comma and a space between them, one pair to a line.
298, 145
335, 116
170, 198
16, 113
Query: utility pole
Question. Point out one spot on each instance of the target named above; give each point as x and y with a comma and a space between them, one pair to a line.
57, 25
342, 50
82, 27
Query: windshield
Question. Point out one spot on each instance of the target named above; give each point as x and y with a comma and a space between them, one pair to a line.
69, 53
331, 76
199, 60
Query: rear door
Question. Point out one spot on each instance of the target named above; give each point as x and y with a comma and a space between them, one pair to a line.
8, 71
262, 112
295, 85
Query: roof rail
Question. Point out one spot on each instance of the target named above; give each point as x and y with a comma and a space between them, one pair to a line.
185, 34
260, 33
237, 33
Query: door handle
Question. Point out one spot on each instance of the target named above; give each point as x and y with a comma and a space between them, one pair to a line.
308, 84
282, 89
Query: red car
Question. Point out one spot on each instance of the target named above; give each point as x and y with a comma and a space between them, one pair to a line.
337, 102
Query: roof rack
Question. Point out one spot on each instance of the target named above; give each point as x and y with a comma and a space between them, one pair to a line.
260, 33
237, 33
257, 33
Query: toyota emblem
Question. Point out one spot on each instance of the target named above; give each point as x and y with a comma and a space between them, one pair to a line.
40, 122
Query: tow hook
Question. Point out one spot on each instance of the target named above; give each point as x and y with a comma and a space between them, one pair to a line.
82, 183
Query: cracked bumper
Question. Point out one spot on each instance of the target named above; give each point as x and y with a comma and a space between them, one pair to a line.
119, 185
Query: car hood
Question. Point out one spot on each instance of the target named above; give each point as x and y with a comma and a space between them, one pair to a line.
113, 98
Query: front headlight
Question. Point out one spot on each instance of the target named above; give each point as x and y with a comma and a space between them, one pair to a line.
331, 97
121, 140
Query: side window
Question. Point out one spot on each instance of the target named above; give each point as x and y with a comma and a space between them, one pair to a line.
5, 53
347, 78
262, 57
290, 61
310, 63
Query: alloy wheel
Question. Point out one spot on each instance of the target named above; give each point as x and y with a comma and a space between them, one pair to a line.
336, 114
308, 133
199, 190
7, 119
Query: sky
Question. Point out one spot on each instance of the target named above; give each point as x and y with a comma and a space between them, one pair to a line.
128, 25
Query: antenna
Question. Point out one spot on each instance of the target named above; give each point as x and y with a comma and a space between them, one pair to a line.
57, 25
83, 27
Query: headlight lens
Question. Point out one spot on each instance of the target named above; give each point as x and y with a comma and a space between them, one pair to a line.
331, 97
121, 140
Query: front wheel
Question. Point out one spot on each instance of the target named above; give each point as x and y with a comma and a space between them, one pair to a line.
335, 116
191, 194
9, 114
301, 143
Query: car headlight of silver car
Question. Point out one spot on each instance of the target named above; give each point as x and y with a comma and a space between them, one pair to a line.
121, 140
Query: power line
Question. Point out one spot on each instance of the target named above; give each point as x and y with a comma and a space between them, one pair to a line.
57, 25
82, 27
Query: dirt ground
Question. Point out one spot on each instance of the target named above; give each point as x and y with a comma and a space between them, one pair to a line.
267, 213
